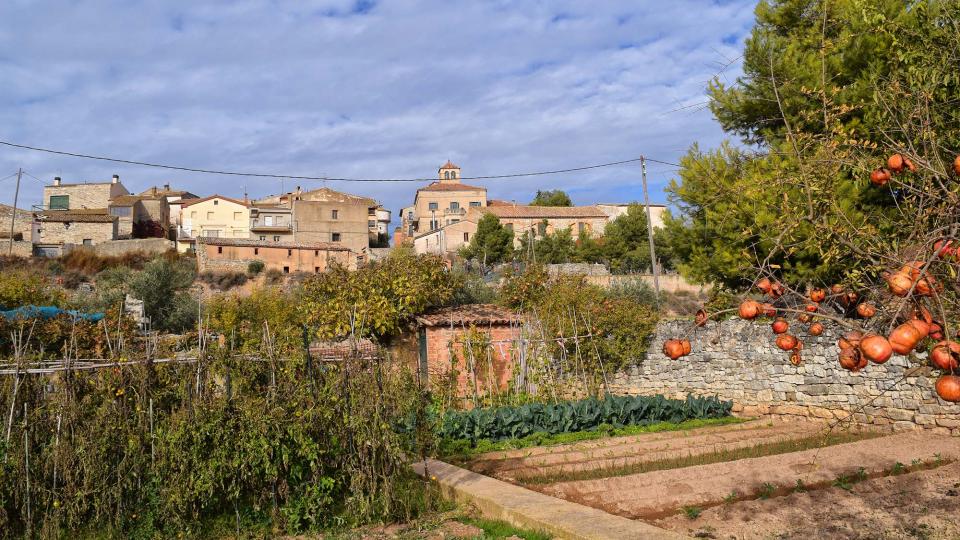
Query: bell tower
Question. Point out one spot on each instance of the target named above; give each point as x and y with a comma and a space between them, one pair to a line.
449, 173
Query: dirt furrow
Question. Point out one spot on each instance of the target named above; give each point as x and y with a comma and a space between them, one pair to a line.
656, 493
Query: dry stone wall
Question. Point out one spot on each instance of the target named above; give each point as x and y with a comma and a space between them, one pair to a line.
737, 360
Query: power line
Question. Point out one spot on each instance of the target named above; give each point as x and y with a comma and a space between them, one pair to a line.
320, 178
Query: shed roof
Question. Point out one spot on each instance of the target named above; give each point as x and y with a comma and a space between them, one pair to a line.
469, 314
332, 351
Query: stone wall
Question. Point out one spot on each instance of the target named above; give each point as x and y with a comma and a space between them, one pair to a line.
120, 247
737, 360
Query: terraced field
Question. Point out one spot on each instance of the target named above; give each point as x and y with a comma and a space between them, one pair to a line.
759, 479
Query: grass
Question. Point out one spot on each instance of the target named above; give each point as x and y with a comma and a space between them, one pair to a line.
692, 512
719, 456
461, 449
496, 529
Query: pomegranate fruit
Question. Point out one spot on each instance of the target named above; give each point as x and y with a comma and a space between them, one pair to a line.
905, 337
700, 318
948, 388
815, 329
768, 310
899, 284
880, 177
944, 248
787, 342
945, 354
673, 348
811, 308
895, 163
818, 295
795, 358
875, 348
764, 285
780, 326
908, 163
956, 166
750, 309
866, 310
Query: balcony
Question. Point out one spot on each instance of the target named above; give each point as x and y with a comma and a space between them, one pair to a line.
273, 224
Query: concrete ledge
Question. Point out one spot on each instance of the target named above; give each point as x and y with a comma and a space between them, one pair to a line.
531, 510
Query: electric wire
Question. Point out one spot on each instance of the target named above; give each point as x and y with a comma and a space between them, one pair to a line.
325, 178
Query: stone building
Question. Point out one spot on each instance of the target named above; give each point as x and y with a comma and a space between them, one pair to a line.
56, 229
173, 198
215, 216
141, 216
86, 196
441, 203
615, 210
236, 254
440, 347
271, 223
541, 220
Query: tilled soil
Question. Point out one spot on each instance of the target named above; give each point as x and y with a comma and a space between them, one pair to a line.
923, 504
514, 465
656, 494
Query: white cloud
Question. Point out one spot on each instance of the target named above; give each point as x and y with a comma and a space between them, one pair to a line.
345, 88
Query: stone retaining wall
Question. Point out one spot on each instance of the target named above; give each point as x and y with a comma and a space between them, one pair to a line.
737, 360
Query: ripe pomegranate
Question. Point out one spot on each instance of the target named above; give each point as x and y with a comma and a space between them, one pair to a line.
795, 358
944, 248
818, 295
866, 310
880, 177
945, 354
909, 164
750, 309
875, 348
780, 326
836, 289
948, 388
685, 344
787, 342
777, 289
905, 337
851, 360
895, 163
815, 329
956, 166
768, 310
764, 285
899, 284
673, 348
936, 331
811, 308
850, 340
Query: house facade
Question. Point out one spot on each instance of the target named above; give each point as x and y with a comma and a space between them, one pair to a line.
615, 210
271, 223
221, 254
141, 216
442, 202
538, 221
215, 216
173, 198
85, 196
52, 230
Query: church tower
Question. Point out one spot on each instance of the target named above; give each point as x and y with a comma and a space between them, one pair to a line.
449, 173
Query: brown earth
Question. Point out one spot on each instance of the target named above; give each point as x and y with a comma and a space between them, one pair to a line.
658, 493
921, 504
514, 465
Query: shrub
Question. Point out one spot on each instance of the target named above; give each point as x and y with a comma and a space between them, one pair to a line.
255, 267
162, 287
274, 277
223, 281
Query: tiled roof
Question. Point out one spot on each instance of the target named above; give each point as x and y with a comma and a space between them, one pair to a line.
332, 351
130, 200
250, 242
169, 193
326, 194
544, 212
448, 186
188, 202
475, 314
71, 216
449, 165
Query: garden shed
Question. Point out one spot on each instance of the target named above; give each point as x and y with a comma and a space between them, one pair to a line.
478, 341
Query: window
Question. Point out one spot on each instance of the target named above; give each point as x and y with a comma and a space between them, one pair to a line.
268, 221
433, 206
446, 175
219, 249
434, 224
371, 223
316, 253
122, 211
509, 226
216, 202
409, 216
211, 233
289, 253
210, 216
454, 205
256, 251
316, 269
335, 237
474, 204
581, 227
237, 216
59, 202
334, 214
276, 238
466, 237
88, 241
371, 211
193, 214
286, 269
262, 238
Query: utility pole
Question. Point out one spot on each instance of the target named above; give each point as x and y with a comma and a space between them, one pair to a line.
653, 252
13, 214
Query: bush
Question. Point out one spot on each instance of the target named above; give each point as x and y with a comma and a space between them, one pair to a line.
255, 267
497, 423
162, 286
223, 281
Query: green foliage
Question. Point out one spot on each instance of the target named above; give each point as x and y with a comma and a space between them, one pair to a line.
245, 321
162, 285
626, 242
568, 416
692, 512
550, 248
496, 530
20, 288
472, 289
255, 267
633, 289
377, 299
551, 197
492, 243
523, 289
223, 281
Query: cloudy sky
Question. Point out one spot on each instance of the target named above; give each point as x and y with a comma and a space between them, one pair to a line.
362, 88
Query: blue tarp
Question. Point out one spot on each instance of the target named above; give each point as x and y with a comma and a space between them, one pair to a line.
47, 312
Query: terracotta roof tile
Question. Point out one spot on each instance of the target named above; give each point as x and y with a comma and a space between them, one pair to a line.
69, 216
188, 202
470, 314
448, 186
544, 212
333, 351
449, 165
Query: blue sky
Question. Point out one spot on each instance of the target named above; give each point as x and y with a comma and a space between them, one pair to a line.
362, 88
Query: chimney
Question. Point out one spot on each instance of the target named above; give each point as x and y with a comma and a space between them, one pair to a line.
56, 180
116, 179
166, 187
153, 190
